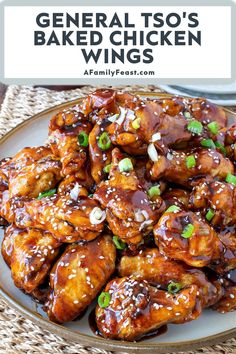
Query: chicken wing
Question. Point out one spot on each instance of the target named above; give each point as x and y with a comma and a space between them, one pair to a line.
32, 171
185, 236
67, 219
31, 256
227, 303
68, 137
227, 261
78, 276
130, 213
174, 168
219, 197
151, 265
136, 308
197, 108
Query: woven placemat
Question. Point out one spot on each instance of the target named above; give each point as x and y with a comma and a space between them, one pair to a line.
17, 334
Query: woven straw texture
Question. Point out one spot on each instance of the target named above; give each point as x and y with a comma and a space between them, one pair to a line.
17, 334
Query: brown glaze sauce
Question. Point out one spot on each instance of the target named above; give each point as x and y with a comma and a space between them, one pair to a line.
93, 326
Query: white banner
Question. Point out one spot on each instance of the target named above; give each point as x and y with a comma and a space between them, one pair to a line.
68, 42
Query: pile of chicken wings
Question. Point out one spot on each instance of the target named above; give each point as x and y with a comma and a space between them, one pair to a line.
131, 203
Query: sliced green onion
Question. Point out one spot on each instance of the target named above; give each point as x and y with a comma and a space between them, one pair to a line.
125, 165
104, 141
187, 115
153, 191
230, 179
120, 245
188, 231
90, 196
213, 127
136, 123
48, 193
190, 161
107, 168
104, 299
83, 139
210, 215
195, 127
172, 209
174, 288
220, 147
208, 143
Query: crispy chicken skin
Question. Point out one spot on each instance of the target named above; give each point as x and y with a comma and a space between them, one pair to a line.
218, 196
67, 219
199, 249
64, 129
151, 265
31, 255
32, 171
173, 168
130, 213
78, 276
137, 308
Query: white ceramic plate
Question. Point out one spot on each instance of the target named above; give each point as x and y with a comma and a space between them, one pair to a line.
221, 89
209, 328
217, 98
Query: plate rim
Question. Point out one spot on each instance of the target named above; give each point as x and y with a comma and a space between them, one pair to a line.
86, 339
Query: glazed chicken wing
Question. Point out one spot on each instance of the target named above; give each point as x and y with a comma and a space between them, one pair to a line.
152, 266
32, 171
130, 213
185, 236
67, 219
219, 197
78, 276
136, 308
228, 301
31, 256
174, 167
197, 108
68, 137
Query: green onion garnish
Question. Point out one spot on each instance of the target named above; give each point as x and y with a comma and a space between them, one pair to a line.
104, 299
190, 161
90, 196
208, 143
220, 147
125, 165
195, 127
172, 209
107, 168
104, 141
213, 127
136, 123
153, 191
174, 288
230, 179
48, 193
188, 231
187, 114
83, 139
120, 245
210, 215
